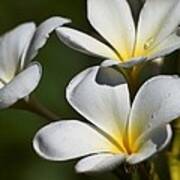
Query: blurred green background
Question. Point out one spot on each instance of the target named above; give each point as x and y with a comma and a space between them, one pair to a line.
18, 161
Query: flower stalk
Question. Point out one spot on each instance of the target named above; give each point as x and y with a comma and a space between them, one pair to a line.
31, 104
174, 154
132, 76
123, 173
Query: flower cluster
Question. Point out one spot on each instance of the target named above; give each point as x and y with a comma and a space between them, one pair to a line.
126, 122
19, 76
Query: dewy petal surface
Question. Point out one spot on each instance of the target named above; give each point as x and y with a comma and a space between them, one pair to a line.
42, 34
85, 43
70, 139
12, 47
166, 46
172, 20
105, 106
113, 20
21, 85
156, 104
152, 30
99, 163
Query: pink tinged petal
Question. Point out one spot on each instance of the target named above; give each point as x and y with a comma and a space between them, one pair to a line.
100, 163
156, 104
13, 46
70, 139
21, 86
105, 106
85, 43
42, 34
113, 20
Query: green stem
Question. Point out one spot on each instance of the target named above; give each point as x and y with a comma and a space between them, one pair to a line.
121, 173
161, 166
132, 76
144, 172
33, 105
122, 176
174, 155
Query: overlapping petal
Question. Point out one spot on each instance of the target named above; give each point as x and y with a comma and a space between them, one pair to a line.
117, 133
104, 106
113, 20
146, 151
151, 31
102, 162
153, 37
21, 86
17, 48
70, 139
156, 104
12, 47
161, 136
165, 47
42, 34
85, 43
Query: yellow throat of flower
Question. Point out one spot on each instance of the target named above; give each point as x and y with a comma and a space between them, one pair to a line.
124, 144
140, 50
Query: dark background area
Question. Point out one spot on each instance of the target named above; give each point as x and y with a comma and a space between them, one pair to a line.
18, 161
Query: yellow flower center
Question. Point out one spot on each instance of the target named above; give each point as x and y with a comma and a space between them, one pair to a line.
125, 145
142, 50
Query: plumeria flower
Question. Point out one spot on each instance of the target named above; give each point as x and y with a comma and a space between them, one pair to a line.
18, 75
156, 34
115, 132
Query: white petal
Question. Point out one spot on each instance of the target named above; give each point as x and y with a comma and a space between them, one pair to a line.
147, 150
99, 163
153, 30
156, 104
42, 34
128, 64
113, 20
109, 63
85, 43
12, 48
161, 136
70, 139
105, 106
172, 20
166, 46
21, 86
109, 76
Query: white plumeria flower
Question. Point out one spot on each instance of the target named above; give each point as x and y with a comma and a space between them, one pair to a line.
18, 75
156, 34
116, 133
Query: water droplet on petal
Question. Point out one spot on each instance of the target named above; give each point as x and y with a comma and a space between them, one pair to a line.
148, 43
